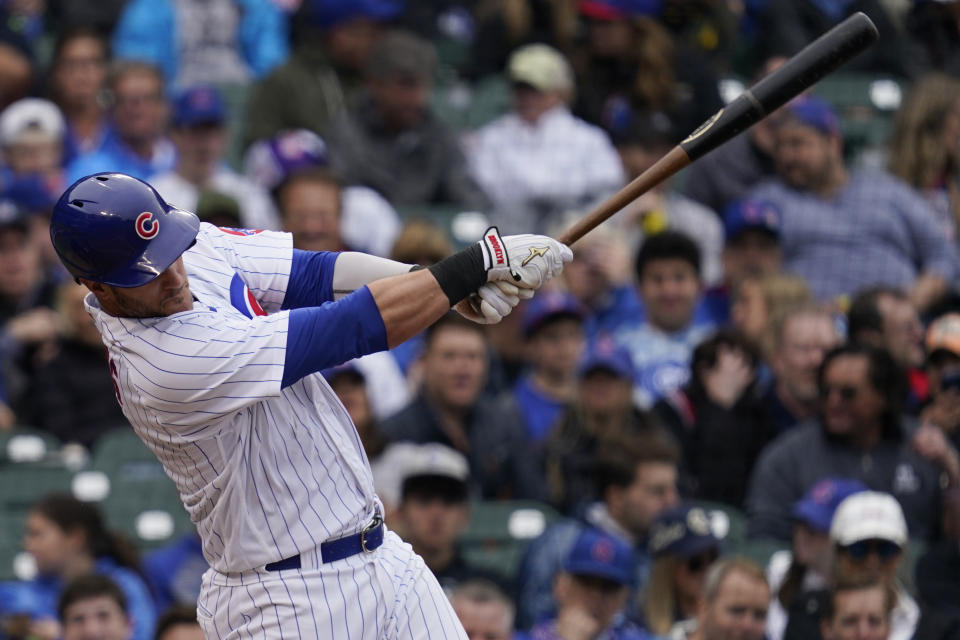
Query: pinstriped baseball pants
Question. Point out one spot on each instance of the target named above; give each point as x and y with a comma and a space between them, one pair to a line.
388, 594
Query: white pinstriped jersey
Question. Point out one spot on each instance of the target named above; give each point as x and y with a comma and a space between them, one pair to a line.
264, 472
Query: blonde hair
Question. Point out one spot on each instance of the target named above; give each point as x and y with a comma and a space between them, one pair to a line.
723, 567
659, 596
918, 153
781, 293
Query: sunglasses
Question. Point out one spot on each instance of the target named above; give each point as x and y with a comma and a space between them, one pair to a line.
884, 549
847, 392
698, 563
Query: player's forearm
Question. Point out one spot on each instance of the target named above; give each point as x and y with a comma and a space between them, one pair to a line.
408, 304
354, 270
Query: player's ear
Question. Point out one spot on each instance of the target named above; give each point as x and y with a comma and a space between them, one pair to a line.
95, 287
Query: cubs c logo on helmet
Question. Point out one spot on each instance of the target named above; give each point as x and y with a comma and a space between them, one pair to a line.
146, 225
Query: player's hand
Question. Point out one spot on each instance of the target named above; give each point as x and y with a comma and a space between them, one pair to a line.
526, 260
492, 302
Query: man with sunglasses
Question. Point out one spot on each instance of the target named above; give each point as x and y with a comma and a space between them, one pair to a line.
860, 432
869, 534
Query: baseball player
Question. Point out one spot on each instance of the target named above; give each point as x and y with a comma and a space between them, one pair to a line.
215, 337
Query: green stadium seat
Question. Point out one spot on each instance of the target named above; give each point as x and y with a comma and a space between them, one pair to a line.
11, 536
24, 444
464, 108
500, 530
866, 104
21, 486
235, 96
759, 550
141, 501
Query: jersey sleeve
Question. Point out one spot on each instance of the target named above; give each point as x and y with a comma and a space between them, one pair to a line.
187, 373
262, 258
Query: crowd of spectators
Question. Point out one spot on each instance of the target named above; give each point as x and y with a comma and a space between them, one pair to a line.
774, 334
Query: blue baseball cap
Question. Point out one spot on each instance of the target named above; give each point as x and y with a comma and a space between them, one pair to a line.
684, 531
548, 305
743, 215
13, 216
326, 14
600, 555
816, 507
619, 9
198, 105
607, 355
271, 161
816, 113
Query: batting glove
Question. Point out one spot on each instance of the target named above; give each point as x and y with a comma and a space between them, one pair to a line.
492, 302
526, 260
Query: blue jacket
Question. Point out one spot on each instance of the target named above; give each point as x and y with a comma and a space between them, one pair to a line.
148, 31
174, 571
38, 597
544, 558
114, 155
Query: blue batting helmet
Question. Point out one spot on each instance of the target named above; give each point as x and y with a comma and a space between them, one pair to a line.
116, 229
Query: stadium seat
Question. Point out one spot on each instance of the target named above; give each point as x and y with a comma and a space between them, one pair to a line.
21, 486
141, 501
465, 108
866, 104
759, 550
500, 530
25, 444
235, 96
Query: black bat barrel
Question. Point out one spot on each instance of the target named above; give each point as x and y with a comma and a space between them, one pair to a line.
816, 60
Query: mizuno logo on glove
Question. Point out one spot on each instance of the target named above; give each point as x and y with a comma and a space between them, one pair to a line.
534, 253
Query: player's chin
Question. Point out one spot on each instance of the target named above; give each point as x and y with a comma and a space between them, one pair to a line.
176, 304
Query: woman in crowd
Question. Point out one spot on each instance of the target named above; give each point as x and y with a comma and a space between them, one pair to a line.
925, 146
67, 538
809, 562
77, 84
683, 544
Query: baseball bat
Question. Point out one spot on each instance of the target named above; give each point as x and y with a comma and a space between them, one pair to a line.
817, 59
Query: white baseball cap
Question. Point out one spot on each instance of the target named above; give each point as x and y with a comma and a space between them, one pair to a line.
403, 460
540, 66
869, 515
31, 116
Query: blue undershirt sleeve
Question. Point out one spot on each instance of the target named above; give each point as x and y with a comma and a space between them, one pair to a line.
311, 279
331, 334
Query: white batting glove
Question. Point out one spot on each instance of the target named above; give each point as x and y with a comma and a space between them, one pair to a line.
526, 260
492, 302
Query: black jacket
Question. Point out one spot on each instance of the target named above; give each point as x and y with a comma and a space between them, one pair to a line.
499, 465
719, 446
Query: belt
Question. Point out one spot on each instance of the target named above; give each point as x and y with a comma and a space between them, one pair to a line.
365, 541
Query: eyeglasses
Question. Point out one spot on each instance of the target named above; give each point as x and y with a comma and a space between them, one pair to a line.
700, 562
884, 549
847, 392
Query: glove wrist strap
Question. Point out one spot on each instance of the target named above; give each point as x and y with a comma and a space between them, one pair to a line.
461, 274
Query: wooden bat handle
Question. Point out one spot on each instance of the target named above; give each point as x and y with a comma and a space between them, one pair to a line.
665, 167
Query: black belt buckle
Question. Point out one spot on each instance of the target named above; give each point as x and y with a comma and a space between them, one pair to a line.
376, 522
